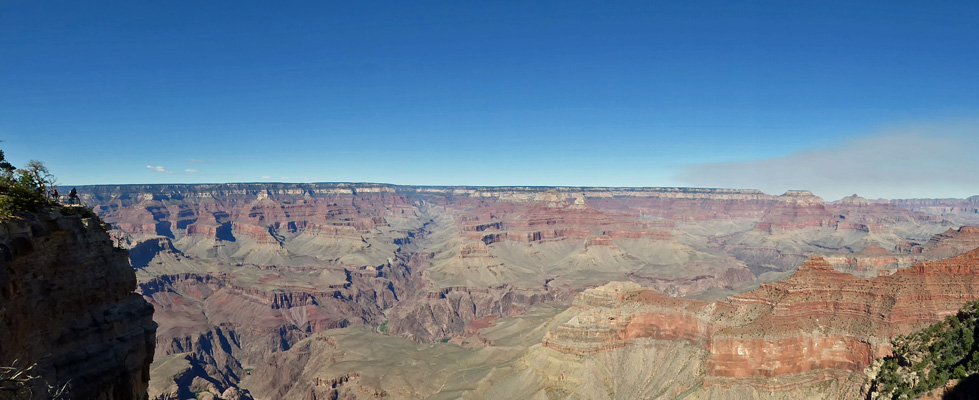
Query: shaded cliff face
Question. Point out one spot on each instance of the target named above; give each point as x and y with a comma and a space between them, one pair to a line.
238, 272
67, 303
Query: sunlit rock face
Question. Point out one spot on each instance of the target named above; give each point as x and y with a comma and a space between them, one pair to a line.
965, 209
818, 324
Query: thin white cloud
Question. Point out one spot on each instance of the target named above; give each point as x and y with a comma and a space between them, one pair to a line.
192, 170
910, 162
193, 161
266, 177
158, 168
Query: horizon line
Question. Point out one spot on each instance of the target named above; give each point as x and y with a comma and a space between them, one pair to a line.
558, 187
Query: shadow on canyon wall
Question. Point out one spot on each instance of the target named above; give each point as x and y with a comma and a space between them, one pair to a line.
967, 389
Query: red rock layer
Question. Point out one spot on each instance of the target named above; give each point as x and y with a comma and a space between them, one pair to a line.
818, 322
965, 207
255, 211
801, 210
354, 227
952, 242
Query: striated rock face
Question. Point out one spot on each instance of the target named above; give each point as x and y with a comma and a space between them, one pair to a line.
967, 209
612, 315
508, 234
67, 304
950, 243
240, 272
818, 324
446, 313
872, 261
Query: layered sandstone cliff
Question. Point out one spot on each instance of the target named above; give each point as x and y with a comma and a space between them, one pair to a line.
946, 244
817, 325
967, 209
67, 304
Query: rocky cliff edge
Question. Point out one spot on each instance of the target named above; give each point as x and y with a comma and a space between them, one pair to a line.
69, 316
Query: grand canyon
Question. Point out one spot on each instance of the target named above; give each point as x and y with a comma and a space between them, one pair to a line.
544, 200
300, 291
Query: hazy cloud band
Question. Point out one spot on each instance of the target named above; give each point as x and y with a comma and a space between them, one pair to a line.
924, 161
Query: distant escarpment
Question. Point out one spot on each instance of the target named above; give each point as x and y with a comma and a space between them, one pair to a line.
69, 317
943, 245
967, 209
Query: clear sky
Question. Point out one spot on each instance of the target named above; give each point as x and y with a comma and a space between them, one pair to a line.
838, 97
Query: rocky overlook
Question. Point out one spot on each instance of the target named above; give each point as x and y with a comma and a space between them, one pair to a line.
68, 307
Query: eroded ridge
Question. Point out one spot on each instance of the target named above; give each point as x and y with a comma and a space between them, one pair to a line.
816, 325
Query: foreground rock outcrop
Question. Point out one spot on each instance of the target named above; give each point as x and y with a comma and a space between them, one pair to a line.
68, 310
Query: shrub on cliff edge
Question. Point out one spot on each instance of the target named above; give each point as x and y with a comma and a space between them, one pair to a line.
929, 358
23, 189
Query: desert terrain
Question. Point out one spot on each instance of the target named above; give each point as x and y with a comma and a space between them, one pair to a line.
369, 290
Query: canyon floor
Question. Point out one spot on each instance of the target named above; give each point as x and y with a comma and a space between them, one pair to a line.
298, 291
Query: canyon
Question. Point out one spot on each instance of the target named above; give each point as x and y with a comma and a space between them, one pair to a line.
274, 290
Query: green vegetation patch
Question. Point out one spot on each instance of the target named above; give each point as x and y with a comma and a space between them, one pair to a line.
24, 189
928, 359
31, 189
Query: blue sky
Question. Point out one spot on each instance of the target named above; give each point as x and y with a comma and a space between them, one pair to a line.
495, 93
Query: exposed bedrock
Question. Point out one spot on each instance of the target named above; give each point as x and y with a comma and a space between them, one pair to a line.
278, 376
143, 252
762, 260
193, 364
444, 313
266, 266
872, 261
968, 209
261, 321
817, 324
67, 305
949, 243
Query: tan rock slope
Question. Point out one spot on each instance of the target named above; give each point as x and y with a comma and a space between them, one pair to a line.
67, 304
